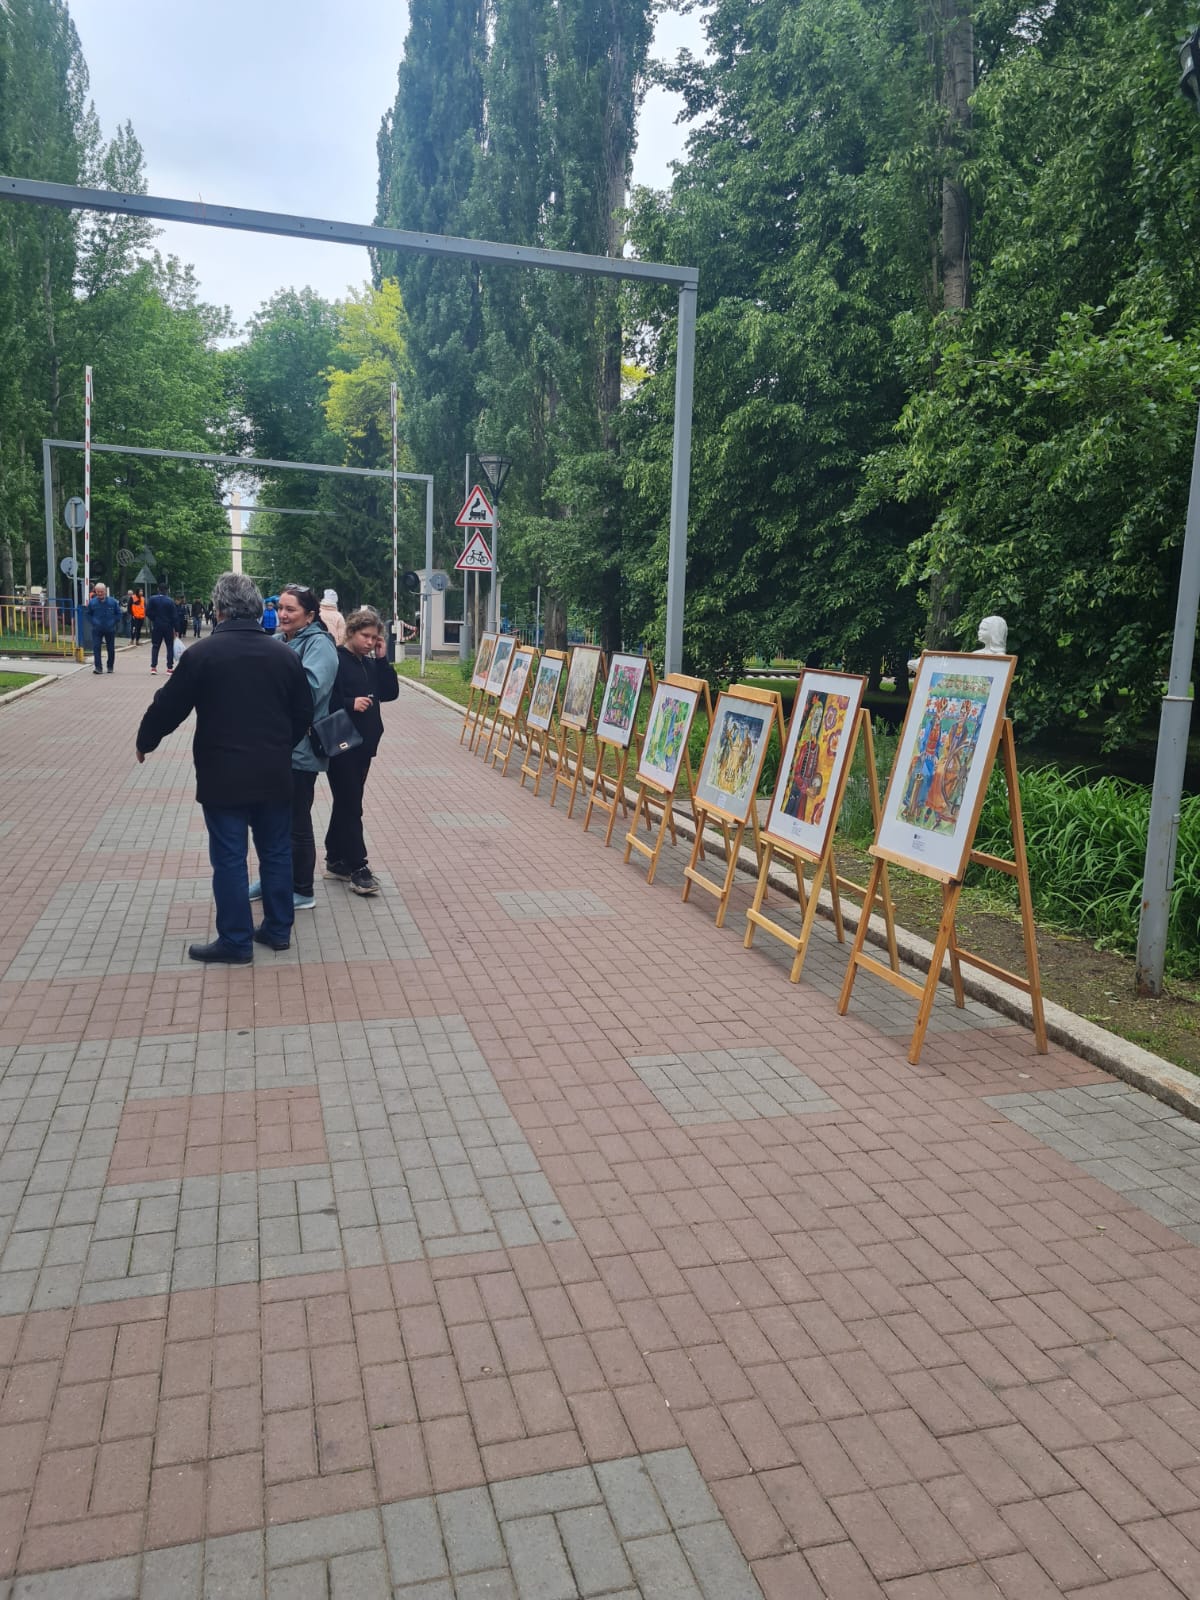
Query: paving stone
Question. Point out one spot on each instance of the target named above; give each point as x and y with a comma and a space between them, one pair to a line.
551, 905
702, 1086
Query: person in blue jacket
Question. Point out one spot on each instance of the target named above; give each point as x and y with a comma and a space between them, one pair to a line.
104, 615
270, 617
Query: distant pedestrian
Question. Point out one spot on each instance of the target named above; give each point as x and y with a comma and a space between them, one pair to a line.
137, 615
270, 618
160, 613
104, 615
332, 617
197, 618
306, 638
181, 617
252, 704
365, 677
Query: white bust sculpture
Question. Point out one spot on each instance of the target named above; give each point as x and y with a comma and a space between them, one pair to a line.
993, 640
993, 637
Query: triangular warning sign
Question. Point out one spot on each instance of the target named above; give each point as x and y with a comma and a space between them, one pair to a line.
476, 512
476, 557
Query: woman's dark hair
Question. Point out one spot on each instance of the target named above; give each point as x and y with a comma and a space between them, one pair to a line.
306, 599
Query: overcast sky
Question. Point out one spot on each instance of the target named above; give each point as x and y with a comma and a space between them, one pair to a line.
275, 105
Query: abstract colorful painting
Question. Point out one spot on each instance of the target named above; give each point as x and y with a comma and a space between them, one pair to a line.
514, 686
501, 656
733, 756
667, 735
944, 757
483, 660
545, 692
618, 709
811, 774
581, 686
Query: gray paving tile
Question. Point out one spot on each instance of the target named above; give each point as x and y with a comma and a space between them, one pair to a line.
552, 905
702, 1086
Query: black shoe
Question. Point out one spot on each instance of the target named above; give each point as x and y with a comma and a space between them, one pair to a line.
261, 936
110, 669
364, 881
216, 951
96, 672
339, 870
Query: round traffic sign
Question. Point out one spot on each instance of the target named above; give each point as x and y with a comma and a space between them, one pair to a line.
439, 582
67, 566
126, 557
75, 514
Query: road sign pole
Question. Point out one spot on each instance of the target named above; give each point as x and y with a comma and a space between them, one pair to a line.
87, 486
48, 508
494, 595
395, 530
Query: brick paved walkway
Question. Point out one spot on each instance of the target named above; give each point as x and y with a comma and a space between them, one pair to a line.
517, 1234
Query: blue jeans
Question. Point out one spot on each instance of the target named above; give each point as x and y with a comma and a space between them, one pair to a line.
100, 638
228, 827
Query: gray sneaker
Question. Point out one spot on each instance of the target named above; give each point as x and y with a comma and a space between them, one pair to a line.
364, 881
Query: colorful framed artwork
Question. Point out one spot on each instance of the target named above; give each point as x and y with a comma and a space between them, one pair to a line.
618, 709
514, 684
483, 660
667, 732
813, 769
501, 656
545, 692
943, 761
733, 756
581, 686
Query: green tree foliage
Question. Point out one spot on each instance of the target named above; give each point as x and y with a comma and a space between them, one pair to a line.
75, 293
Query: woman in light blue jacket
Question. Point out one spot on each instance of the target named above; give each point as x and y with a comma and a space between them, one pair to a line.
300, 625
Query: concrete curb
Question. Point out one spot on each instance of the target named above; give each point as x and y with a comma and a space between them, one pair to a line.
1129, 1062
27, 688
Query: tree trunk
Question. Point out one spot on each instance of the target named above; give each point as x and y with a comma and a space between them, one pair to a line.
556, 622
7, 580
957, 83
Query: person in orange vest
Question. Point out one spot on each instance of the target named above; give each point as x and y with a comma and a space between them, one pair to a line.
137, 615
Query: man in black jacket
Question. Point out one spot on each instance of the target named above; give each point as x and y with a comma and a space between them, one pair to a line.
160, 614
252, 705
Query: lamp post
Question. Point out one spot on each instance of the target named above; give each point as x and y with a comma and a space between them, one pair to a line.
495, 469
1176, 717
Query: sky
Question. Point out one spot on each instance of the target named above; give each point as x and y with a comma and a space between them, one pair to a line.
275, 105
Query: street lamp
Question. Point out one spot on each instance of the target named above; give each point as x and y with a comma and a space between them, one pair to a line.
1175, 720
495, 469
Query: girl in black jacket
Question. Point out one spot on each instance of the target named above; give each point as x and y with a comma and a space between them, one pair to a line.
365, 677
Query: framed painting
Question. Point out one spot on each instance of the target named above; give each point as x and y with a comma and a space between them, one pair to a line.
667, 732
581, 686
514, 684
501, 656
545, 692
483, 660
626, 674
943, 761
733, 756
813, 769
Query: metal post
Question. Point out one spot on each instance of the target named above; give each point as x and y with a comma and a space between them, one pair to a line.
466, 637
1171, 759
395, 529
426, 590
51, 564
537, 620
494, 591
681, 465
87, 487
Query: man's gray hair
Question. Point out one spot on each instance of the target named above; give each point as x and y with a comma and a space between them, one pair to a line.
236, 595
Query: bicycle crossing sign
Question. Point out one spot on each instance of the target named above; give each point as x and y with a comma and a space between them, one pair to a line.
477, 511
476, 557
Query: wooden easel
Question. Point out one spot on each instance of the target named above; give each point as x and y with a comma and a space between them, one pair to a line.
488, 714
651, 793
476, 698
541, 737
513, 724
946, 942
824, 866
727, 820
599, 797
569, 762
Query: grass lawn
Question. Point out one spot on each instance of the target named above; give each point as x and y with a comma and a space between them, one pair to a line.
444, 676
16, 680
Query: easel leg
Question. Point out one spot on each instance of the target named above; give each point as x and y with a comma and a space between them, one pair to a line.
890, 922
860, 938
618, 795
1008, 752
945, 933
580, 748
838, 926
730, 870
760, 892
638, 808
806, 927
